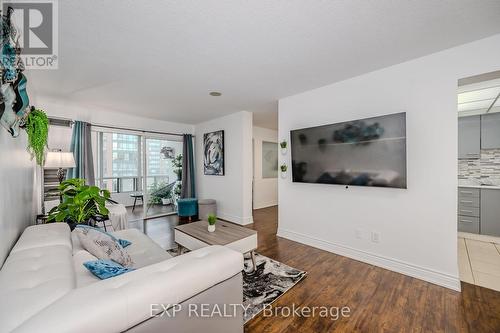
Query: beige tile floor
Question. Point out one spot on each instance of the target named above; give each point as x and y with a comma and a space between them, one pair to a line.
479, 263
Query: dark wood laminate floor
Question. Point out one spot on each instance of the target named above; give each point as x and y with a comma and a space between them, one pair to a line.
380, 300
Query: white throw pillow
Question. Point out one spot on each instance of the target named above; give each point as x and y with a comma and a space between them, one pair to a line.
103, 246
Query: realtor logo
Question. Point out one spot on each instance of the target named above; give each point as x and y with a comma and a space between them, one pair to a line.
36, 22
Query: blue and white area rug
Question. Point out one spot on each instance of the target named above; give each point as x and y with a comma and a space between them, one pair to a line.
266, 284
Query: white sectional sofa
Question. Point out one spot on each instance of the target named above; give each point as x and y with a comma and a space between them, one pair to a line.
45, 288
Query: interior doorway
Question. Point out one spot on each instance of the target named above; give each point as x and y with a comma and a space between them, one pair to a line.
266, 154
478, 215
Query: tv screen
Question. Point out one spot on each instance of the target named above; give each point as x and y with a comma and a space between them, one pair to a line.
365, 152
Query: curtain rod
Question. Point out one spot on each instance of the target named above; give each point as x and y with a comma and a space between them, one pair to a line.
119, 128
135, 130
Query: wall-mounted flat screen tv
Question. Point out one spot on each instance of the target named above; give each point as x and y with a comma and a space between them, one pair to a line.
364, 152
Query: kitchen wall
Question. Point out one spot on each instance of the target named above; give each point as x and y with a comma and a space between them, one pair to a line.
265, 190
17, 191
483, 170
233, 191
412, 231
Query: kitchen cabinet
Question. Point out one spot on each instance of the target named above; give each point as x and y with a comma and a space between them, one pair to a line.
490, 212
469, 210
490, 130
469, 137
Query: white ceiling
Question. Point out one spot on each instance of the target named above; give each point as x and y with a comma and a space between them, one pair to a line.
479, 97
160, 59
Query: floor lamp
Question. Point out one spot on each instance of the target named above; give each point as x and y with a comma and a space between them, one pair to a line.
61, 161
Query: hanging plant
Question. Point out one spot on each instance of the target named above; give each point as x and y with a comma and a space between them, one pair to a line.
37, 128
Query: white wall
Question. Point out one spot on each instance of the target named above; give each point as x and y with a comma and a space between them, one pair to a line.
417, 226
233, 191
99, 116
17, 207
265, 190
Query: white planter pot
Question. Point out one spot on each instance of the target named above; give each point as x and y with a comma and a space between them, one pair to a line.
211, 227
166, 201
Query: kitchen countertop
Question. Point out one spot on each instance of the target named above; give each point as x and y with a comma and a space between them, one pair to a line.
484, 187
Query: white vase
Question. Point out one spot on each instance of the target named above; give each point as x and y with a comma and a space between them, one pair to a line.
211, 227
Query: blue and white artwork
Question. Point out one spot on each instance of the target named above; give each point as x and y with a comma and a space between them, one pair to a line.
213, 153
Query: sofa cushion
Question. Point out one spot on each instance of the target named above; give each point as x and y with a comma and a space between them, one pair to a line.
31, 279
143, 250
103, 246
44, 235
83, 276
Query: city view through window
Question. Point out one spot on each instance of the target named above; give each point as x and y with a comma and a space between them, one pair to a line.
120, 156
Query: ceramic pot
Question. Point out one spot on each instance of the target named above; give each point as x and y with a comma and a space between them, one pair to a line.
211, 227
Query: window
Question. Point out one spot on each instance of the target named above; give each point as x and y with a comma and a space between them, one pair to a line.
118, 166
118, 159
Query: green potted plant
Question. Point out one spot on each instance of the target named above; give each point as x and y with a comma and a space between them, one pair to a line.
36, 126
283, 168
160, 193
80, 203
212, 219
283, 145
177, 166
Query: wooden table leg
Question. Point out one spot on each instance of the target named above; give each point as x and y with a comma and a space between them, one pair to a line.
179, 249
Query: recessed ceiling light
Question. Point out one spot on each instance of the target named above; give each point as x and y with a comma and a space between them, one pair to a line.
215, 93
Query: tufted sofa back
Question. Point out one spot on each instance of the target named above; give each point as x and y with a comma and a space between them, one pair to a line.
38, 271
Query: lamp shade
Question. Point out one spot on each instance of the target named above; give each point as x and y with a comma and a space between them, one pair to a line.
59, 159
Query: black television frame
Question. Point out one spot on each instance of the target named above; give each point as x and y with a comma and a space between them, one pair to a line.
346, 122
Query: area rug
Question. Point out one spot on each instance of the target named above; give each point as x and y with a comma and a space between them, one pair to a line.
266, 284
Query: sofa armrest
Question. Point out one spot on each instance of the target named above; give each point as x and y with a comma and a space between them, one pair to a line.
116, 304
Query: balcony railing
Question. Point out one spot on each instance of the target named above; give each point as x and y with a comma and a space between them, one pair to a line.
129, 184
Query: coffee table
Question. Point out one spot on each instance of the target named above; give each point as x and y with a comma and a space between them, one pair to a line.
195, 235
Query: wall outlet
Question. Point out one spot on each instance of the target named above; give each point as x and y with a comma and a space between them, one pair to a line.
375, 237
362, 234
359, 234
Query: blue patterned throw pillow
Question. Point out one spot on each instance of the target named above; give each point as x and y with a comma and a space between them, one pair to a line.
105, 269
122, 242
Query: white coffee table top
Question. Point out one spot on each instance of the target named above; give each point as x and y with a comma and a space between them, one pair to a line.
195, 235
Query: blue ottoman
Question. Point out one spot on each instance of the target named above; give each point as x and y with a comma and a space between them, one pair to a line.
187, 208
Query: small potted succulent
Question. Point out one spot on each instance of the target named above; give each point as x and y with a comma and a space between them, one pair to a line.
283, 145
283, 168
212, 219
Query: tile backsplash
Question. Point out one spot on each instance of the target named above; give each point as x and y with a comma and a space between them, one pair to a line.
485, 169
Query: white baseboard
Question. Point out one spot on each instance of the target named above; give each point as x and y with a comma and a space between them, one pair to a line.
422, 273
235, 219
265, 205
